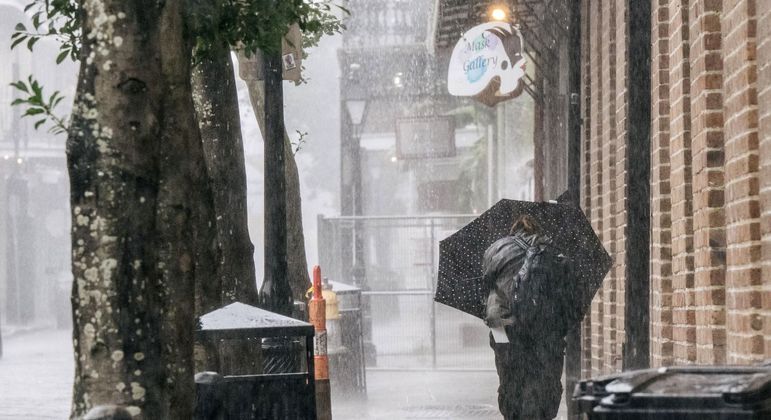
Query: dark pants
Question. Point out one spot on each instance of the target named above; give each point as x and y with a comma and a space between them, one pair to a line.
530, 374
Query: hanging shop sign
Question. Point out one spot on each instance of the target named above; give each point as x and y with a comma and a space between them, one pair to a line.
488, 63
425, 137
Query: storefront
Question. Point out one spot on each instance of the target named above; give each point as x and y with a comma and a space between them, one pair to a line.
659, 111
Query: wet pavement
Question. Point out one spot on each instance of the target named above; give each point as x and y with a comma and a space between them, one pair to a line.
36, 381
422, 395
36, 375
450, 395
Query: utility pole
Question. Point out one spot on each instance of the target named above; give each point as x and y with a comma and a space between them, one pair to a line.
275, 294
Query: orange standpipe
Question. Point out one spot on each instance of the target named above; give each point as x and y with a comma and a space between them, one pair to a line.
317, 309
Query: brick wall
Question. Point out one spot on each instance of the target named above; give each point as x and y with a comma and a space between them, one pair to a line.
618, 191
764, 102
743, 274
710, 179
661, 201
596, 177
586, 158
683, 328
604, 166
608, 168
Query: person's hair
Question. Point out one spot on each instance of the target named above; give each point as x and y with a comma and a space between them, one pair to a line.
525, 223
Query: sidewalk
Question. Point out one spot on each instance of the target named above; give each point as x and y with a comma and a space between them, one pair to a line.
459, 395
423, 395
36, 375
37, 367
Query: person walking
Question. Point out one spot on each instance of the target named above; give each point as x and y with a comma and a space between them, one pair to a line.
529, 314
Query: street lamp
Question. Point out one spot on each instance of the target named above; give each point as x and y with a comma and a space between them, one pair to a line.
357, 108
356, 105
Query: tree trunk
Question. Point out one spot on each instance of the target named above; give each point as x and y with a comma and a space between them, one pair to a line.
135, 159
226, 253
299, 280
216, 101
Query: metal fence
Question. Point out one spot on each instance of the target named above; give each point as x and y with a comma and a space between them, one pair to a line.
395, 260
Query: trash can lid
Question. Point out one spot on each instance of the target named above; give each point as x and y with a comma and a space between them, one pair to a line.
596, 386
342, 288
737, 383
239, 320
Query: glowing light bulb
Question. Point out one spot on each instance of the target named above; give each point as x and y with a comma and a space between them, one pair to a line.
498, 14
398, 79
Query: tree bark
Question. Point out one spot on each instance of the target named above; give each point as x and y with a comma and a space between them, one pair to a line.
297, 268
216, 102
135, 159
225, 251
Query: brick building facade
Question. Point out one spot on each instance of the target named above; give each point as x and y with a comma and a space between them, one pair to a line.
710, 178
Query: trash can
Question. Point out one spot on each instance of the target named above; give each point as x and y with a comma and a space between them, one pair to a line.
589, 392
682, 393
347, 370
284, 389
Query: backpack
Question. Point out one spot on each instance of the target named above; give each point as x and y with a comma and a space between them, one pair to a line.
541, 296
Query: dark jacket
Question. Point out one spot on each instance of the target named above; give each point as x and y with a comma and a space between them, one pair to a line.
500, 265
530, 364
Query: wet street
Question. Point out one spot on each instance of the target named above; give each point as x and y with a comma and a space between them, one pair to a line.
588, 180
36, 371
36, 375
423, 395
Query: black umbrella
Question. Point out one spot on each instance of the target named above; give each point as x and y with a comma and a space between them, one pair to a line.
460, 255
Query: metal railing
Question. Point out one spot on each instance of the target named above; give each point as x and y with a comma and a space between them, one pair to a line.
381, 23
394, 259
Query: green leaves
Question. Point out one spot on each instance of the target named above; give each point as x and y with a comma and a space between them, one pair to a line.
19, 36
55, 19
38, 104
62, 55
252, 25
248, 25
31, 42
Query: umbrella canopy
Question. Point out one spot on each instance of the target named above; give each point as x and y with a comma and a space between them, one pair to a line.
460, 255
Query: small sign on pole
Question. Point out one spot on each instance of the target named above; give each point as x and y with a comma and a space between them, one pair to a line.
291, 57
488, 63
292, 53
